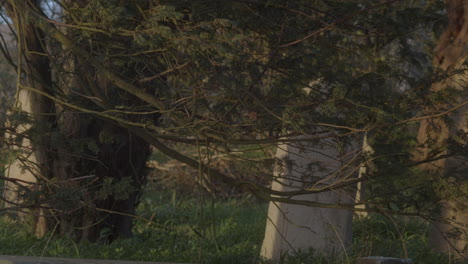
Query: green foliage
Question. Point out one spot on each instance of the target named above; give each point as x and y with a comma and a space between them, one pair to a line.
201, 230
224, 74
398, 237
192, 230
118, 188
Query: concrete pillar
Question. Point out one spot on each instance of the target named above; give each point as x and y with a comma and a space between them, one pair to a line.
21, 170
294, 227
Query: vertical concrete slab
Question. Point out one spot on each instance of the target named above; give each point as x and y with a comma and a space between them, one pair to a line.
293, 227
367, 151
21, 171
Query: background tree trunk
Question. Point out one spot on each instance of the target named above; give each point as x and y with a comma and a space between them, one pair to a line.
40, 108
91, 174
449, 235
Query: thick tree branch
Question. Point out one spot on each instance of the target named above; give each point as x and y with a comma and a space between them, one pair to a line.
68, 44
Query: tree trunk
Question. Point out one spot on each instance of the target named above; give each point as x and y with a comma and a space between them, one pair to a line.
40, 108
292, 227
449, 235
91, 174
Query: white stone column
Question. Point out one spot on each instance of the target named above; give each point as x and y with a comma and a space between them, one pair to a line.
22, 167
295, 227
367, 151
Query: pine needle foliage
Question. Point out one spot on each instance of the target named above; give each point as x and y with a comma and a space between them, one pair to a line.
229, 74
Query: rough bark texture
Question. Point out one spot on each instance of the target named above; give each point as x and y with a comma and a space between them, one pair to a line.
91, 174
292, 227
435, 134
40, 108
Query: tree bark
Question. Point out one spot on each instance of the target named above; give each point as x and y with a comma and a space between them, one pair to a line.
88, 154
449, 235
40, 108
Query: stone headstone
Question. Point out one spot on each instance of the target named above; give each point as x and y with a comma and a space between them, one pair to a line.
290, 227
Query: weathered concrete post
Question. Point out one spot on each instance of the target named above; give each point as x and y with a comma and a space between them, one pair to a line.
22, 167
22, 171
361, 185
293, 227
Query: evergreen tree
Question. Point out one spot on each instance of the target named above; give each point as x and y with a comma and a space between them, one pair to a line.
109, 78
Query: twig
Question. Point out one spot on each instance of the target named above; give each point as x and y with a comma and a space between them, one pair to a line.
341, 20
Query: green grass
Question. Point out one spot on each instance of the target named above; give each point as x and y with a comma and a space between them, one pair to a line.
398, 237
202, 230
195, 230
